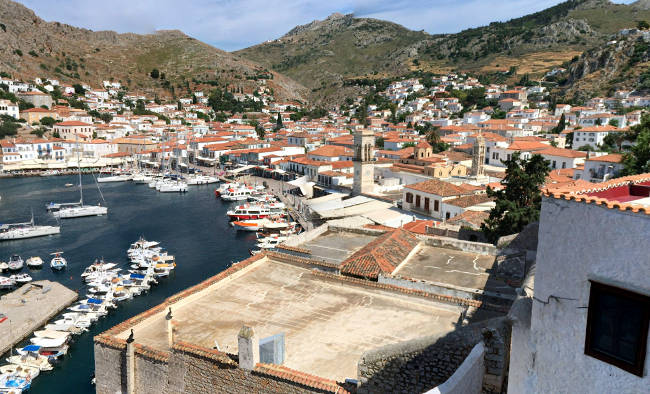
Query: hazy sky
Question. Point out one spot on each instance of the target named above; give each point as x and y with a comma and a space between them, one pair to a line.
236, 24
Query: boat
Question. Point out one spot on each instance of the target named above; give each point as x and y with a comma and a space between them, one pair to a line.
202, 180
278, 224
6, 283
34, 262
249, 225
142, 178
14, 369
10, 383
21, 278
237, 194
15, 263
225, 186
26, 230
77, 210
31, 359
170, 186
51, 352
256, 211
68, 185
3, 266
113, 177
58, 262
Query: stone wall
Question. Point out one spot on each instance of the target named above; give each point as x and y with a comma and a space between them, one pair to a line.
421, 364
468, 378
110, 369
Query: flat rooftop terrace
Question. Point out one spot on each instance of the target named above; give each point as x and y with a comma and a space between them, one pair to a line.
335, 247
328, 323
455, 268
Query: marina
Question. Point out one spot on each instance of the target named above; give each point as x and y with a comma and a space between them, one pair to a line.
29, 307
136, 210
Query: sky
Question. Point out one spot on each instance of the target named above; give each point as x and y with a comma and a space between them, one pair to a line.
237, 24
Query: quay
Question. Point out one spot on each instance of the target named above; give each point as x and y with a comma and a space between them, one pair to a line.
30, 307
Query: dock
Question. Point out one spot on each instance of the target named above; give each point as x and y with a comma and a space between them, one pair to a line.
30, 307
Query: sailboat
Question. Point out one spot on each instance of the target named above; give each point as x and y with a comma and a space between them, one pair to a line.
26, 230
76, 210
172, 184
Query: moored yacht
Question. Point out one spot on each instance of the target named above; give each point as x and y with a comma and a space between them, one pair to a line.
26, 230
15, 263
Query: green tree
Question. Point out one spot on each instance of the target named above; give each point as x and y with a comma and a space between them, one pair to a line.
48, 121
78, 89
154, 73
278, 123
561, 125
519, 202
637, 161
56, 134
39, 132
379, 142
613, 122
179, 106
642, 25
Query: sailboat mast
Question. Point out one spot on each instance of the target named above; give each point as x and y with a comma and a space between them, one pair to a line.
81, 189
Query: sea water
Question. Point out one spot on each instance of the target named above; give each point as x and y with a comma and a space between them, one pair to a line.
192, 226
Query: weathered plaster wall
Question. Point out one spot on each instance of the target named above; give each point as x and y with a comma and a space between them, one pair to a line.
468, 378
578, 242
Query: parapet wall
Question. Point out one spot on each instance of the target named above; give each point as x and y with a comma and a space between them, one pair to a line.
457, 244
424, 363
468, 378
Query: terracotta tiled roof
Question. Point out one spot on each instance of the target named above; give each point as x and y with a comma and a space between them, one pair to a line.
475, 218
552, 151
73, 123
418, 226
331, 151
468, 201
610, 158
382, 255
438, 187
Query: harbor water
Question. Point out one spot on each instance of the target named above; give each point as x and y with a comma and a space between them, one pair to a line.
191, 226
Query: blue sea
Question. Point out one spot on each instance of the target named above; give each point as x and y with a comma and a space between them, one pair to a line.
192, 226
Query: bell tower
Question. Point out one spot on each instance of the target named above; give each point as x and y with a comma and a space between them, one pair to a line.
364, 152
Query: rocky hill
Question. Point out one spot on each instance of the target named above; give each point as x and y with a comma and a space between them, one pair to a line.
323, 53
33, 48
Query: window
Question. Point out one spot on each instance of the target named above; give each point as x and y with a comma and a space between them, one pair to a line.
617, 327
417, 201
436, 205
563, 164
447, 215
409, 198
426, 204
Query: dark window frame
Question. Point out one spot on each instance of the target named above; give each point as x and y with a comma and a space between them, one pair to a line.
637, 367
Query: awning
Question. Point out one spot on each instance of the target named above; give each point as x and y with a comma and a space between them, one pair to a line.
31, 348
94, 301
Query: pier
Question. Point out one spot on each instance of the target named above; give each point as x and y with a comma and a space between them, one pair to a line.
30, 307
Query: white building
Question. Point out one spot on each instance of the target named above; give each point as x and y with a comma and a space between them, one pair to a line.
600, 168
584, 326
592, 136
9, 108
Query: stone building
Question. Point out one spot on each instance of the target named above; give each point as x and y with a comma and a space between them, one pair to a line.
583, 326
38, 99
368, 318
364, 142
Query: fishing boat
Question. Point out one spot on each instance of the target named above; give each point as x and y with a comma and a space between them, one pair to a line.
21, 278
34, 262
15, 263
26, 230
58, 262
249, 225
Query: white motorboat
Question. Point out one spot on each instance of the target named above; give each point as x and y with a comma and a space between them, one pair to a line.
3, 266
270, 242
142, 178
256, 211
237, 194
34, 262
52, 334
23, 371
201, 180
113, 178
58, 262
6, 283
225, 186
10, 383
278, 224
69, 328
15, 263
173, 187
26, 230
21, 278
31, 359
51, 352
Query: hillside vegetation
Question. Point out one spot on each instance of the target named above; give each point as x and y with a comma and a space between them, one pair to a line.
33, 48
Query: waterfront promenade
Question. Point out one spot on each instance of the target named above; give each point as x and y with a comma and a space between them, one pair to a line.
30, 307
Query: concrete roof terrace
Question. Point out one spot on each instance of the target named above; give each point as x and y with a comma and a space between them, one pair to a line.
335, 247
453, 268
328, 322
